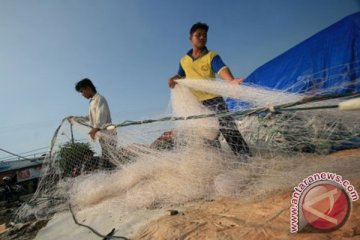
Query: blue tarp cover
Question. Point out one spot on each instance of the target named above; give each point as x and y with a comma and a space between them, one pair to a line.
327, 62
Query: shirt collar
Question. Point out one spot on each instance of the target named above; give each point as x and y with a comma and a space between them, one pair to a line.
203, 52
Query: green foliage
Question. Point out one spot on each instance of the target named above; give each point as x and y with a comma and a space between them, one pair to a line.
72, 156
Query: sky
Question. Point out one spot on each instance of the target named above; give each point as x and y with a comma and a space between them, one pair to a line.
129, 49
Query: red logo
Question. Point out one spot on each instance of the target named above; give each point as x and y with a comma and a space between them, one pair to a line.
326, 207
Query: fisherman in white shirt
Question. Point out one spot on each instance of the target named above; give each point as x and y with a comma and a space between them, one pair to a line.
99, 116
99, 113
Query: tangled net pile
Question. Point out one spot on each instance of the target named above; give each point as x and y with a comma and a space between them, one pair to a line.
181, 158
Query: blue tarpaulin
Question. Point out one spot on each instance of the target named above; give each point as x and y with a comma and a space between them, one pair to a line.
327, 62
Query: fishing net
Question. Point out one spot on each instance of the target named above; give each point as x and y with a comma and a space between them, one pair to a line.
197, 152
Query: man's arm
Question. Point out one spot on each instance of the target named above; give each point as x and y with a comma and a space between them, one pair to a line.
226, 75
79, 118
223, 71
93, 132
179, 75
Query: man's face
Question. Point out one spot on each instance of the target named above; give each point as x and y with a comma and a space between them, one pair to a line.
86, 92
198, 38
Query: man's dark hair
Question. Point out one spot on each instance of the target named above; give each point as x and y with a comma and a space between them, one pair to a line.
199, 25
85, 83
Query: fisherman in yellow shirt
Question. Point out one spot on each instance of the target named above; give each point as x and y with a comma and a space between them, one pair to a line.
201, 63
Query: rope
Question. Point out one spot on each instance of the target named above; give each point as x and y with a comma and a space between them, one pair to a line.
108, 236
14, 154
307, 108
242, 113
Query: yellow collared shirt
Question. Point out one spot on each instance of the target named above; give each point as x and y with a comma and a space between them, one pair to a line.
204, 67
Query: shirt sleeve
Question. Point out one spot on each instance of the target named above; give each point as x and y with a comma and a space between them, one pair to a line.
181, 71
82, 118
217, 64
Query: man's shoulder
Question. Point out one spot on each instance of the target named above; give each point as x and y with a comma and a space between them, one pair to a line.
186, 56
212, 53
99, 97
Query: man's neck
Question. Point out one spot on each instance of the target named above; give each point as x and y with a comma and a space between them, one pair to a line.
196, 52
92, 95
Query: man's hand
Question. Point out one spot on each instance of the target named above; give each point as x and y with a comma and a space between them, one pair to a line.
172, 81
237, 81
93, 132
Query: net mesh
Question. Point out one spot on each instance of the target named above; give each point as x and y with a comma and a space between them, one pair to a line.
200, 152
